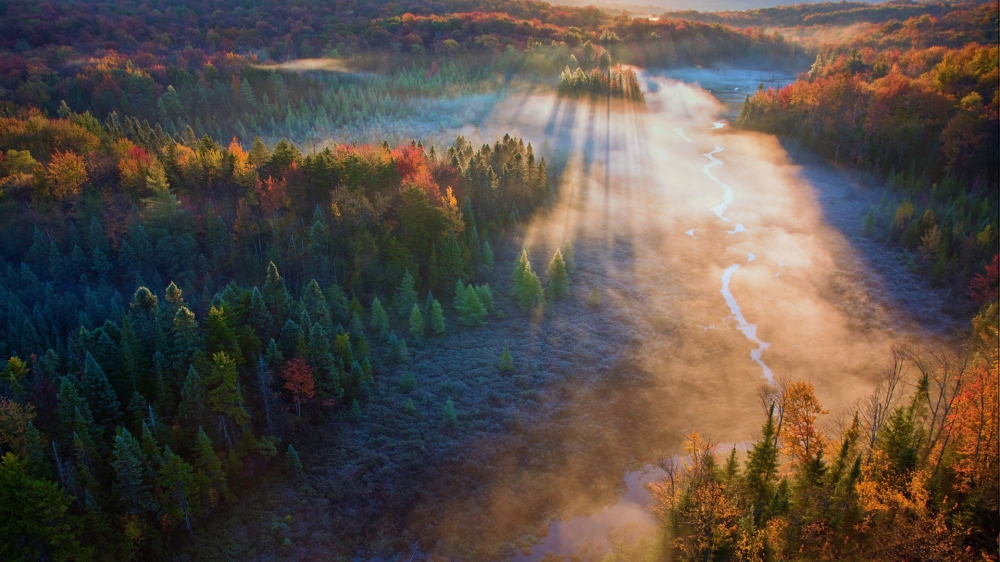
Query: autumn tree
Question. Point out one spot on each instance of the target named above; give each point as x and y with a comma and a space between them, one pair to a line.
299, 381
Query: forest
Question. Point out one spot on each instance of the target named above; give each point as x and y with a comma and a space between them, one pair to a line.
913, 103
204, 271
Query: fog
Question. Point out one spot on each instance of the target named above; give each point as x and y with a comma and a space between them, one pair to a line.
718, 272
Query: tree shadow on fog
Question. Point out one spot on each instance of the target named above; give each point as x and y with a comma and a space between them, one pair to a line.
909, 297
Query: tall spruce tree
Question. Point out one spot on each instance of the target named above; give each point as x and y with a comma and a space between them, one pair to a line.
405, 297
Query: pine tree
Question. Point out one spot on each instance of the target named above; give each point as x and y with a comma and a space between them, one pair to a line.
761, 467
292, 462
177, 479
450, 416
380, 320
220, 336
405, 297
226, 399
506, 363
567, 254
129, 464
100, 396
558, 286
208, 469
186, 340
275, 294
417, 328
192, 408
472, 312
486, 257
35, 517
437, 318
527, 287
485, 297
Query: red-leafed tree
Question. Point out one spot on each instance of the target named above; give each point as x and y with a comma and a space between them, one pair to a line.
299, 381
984, 287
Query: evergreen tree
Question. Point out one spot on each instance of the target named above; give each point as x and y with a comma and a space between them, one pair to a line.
220, 336
761, 467
417, 328
567, 254
192, 408
380, 320
100, 396
406, 296
558, 286
506, 363
485, 297
275, 294
450, 416
226, 399
292, 462
437, 318
486, 257
35, 518
472, 311
129, 464
186, 340
178, 481
527, 287
208, 469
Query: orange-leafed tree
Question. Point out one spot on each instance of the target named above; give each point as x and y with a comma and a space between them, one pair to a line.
66, 172
299, 381
801, 439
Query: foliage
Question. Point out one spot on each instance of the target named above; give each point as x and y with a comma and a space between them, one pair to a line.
906, 477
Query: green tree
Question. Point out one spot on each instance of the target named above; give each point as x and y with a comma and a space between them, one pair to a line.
275, 294
437, 318
450, 416
35, 521
527, 287
380, 320
180, 489
192, 408
472, 311
226, 399
130, 465
208, 469
761, 468
406, 296
417, 328
100, 396
558, 286
506, 363
292, 462
186, 339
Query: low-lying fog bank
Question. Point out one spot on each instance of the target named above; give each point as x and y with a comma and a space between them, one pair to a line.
714, 251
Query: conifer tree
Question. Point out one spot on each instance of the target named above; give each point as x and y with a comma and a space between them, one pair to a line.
558, 286
258, 314
220, 336
192, 408
567, 254
405, 297
129, 464
186, 340
226, 399
506, 363
472, 311
275, 294
450, 416
100, 396
35, 517
177, 479
417, 328
437, 318
292, 462
486, 257
208, 469
485, 297
527, 287
380, 320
